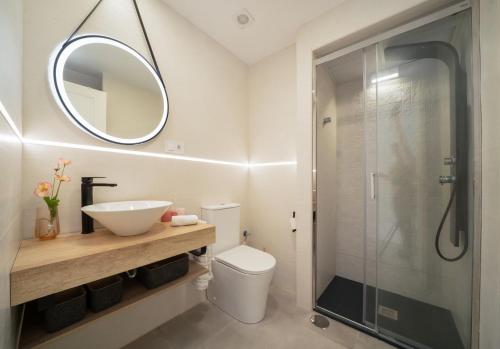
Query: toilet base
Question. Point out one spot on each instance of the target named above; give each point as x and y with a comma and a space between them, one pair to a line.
242, 296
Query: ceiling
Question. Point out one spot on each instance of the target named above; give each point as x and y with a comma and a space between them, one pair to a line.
274, 27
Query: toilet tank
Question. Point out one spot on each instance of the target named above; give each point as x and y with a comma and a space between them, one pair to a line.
226, 218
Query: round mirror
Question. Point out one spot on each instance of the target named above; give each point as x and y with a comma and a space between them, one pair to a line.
108, 89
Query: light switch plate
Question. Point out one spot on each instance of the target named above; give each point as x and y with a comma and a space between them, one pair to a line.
174, 147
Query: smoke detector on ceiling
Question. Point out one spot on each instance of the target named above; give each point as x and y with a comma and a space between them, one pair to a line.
244, 18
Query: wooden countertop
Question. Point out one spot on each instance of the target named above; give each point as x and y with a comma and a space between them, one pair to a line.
45, 267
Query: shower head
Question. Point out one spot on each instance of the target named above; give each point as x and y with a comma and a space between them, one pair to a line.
432, 49
447, 54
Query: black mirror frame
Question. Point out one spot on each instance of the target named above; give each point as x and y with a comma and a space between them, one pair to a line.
63, 105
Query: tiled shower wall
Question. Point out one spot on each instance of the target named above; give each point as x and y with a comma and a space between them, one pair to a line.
350, 198
326, 143
408, 140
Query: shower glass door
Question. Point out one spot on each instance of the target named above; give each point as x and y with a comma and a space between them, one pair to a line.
422, 138
393, 177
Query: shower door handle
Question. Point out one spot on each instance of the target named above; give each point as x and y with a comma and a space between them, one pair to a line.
372, 185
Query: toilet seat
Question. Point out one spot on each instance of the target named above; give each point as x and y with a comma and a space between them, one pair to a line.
247, 260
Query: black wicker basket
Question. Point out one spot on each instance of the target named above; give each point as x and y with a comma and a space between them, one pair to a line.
161, 272
65, 308
105, 293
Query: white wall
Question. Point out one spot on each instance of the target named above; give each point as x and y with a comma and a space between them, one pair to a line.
10, 225
11, 36
10, 155
490, 103
207, 88
271, 190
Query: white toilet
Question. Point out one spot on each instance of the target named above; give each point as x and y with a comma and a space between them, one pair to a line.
242, 274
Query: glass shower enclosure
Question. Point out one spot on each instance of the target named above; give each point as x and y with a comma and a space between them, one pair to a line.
393, 196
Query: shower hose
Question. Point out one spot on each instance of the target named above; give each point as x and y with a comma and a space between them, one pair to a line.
440, 229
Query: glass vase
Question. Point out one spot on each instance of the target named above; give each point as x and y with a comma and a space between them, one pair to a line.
46, 225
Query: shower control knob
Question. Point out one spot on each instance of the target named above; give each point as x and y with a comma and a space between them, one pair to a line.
447, 179
450, 161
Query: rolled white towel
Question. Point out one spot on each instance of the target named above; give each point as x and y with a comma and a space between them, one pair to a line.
201, 282
184, 220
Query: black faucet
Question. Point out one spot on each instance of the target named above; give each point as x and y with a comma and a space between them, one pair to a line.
88, 199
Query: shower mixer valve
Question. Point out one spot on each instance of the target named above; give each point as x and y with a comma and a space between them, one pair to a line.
447, 179
450, 161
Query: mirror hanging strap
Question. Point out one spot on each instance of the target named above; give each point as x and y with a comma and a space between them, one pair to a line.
82, 23
147, 39
142, 27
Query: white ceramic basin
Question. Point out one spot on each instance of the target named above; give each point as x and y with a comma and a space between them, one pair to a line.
127, 218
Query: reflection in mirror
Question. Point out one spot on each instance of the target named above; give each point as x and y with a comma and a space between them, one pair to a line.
110, 90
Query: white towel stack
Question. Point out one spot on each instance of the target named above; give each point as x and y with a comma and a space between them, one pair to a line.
189, 219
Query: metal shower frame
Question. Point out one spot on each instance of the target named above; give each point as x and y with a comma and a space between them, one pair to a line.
475, 243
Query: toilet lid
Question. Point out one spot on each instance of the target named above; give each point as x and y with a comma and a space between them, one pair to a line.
247, 259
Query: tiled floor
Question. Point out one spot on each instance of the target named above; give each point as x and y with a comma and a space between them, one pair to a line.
285, 326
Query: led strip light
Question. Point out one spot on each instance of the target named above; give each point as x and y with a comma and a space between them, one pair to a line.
131, 152
11, 122
24, 140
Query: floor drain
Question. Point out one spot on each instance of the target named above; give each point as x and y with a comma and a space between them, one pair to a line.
320, 321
